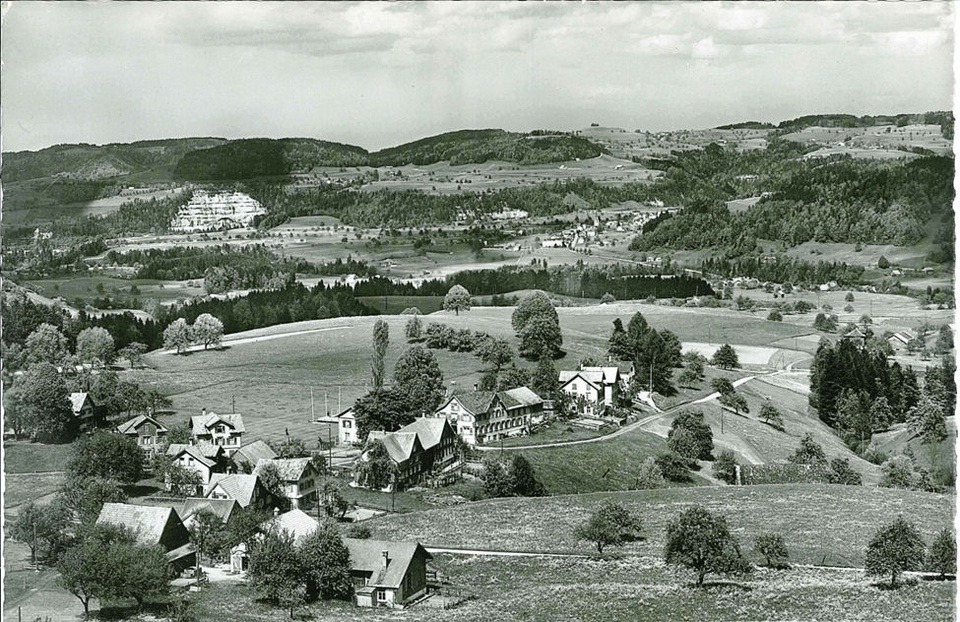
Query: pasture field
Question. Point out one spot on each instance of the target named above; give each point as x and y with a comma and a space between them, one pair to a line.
867, 256
821, 524
22, 488
618, 590
553, 432
24, 457
940, 455
394, 305
86, 288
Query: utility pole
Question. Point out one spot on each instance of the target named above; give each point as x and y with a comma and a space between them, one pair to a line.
339, 403
313, 413
233, 404
326, 409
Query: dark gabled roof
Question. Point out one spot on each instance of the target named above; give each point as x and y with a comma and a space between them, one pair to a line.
254, 452
474, 402
146, 522
131, 426
204, 453
521, 396
290, 469
367, 556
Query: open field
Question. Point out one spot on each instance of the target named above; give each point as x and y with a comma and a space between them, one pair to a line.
867, 256
821, 524
617, 590
22, 488
72, 288
554, 432
394, 305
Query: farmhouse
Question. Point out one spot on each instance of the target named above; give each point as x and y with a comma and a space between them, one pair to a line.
152, 525
343, 426
594, 388
487, 416
246, 490
898, 341
222, 430
204, 459
299, 476
84, 410
222, 508
216, 212
385, 573
147, 430
421, 450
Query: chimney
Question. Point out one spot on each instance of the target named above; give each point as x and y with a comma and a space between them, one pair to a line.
276, 512
385, 559
476, 387
203, 412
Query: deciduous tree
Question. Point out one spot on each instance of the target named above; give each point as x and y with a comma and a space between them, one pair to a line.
46, 344
942, 557
417, 375
457, 299
107, 455
326, 563
610, 525
773, 550
702, 542
725, 357
894, 549
95, 345
178, 335
208, 330
381, 340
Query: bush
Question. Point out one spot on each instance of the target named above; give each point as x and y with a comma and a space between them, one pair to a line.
359, 532
842, 473
673, 467
802, 306
649, 475
875, 456
773, 549
725, 467
775, 316
898, 473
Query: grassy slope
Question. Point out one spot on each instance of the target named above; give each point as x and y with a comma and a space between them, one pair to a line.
23, 457
820, 523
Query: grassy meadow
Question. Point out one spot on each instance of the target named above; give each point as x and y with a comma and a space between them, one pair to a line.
821, 524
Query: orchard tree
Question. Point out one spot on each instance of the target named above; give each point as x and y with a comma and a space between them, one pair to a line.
208, 330
725, 357
85, 496
702, 542
496, 352
943, 553
610, 525
42, 529
133, 352
771, 416
107, 455
326, 563
895, 548
649, 475
46, 344
457, 299
381, 340
809, 452
773, 549
417, 376
178, 335
88, 568
414, 329
540, 338
95, 345
725, 467
775, 316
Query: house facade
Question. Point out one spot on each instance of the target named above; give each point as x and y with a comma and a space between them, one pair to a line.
386, 573
85, 411
299, 477
246, 490
480, 417
342, 427
593, 389
204, 459
421, 450
222, 430
148, 432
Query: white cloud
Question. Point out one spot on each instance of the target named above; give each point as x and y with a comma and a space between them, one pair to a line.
705, 48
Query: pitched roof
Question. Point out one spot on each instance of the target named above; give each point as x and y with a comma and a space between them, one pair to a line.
77, 400
903, 336
429, 430
236, 486
594, 379
131, 426
608, 374
145, 521
475, 402
201, 424
400, 445
252, 453
290, 469
521, 396
296, 522
221, 507
367, 556
204, 453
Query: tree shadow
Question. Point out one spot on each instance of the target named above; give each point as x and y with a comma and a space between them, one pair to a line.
724, 585
902, 582
945, 577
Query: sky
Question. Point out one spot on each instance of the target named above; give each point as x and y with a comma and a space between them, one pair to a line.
379, 74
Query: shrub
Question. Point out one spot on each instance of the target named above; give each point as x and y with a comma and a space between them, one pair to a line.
725, 467
649, 475
842, 473
943, 553
673, 467
773, 549
359, 532
875, 456
898, 473
775, 316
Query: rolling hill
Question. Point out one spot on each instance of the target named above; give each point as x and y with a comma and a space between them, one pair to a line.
262, 157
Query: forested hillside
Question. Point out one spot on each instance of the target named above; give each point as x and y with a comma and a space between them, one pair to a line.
477, 146
265, 157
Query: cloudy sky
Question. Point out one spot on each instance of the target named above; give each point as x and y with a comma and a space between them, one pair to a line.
377, 74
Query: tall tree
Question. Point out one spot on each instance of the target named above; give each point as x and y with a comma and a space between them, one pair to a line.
381, 339
95, 345
46, 344
43, 393
895, 548
88, 569
457, 299
107, 455
540, 338
702, 542
208, 330
326, 562
417, 375
178, 335
534, 304
725, 357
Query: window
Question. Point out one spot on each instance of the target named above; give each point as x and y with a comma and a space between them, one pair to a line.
454, 407
381, 596
347, 423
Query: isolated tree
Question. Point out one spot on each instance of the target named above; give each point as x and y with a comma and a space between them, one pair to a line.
208, 330
690, 436
809, 452
205, 530
849, 297
133, 352
178, 335
417, 375
496, 352
722, 385
725, 357
942, 557
734, 401
381, 339
883, 263
895, 548
773, 550
414, 329
326, 563
43, 394
610, 525
95, 345
107, 455
523, 479
540, 338
648, 475
457, 299
770, 415
702, 542
276, 572
725, 467
842, 473
607, 298
375, 469
46, 344
775, 316
534, 304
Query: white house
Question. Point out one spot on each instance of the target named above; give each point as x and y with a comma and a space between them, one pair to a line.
205, 459
221, 430
346, 426
298, 474
599, 388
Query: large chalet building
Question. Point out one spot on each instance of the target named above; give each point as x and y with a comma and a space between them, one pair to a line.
421, 450
592, 389
481, 417
148, 432
222, 430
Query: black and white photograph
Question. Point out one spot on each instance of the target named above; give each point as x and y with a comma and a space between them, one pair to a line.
472, 311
